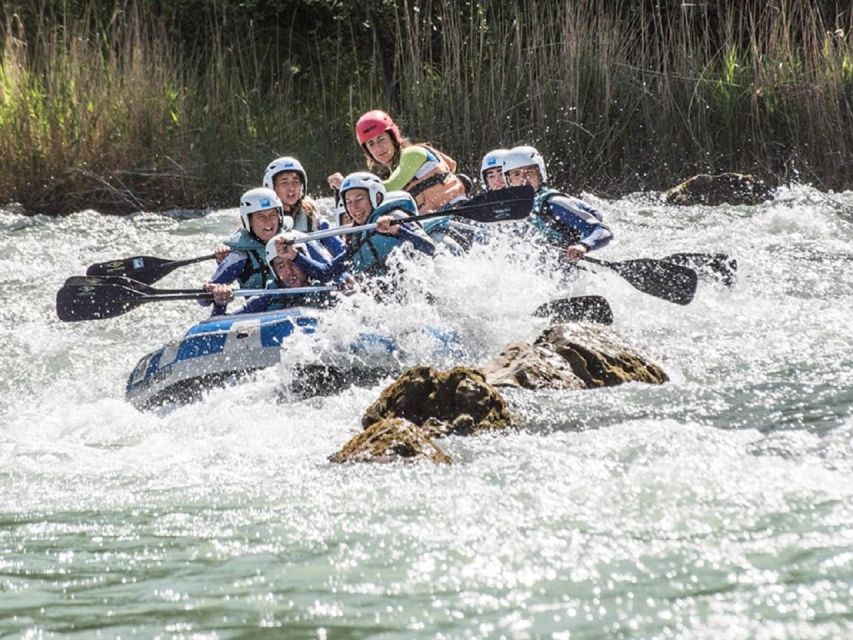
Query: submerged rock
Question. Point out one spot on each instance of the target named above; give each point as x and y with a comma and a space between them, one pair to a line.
572, 356
725, 188
391, 440
458, 402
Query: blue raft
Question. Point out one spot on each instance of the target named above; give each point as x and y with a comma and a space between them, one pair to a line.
223, 349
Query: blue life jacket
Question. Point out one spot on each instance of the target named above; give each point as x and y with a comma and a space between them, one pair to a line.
374, 248
256, 272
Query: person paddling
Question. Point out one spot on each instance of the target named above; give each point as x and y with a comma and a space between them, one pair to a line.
286, 274
569, 222
262, 217
287, 177
364, 198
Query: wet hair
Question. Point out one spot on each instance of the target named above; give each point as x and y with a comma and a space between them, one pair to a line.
308, 206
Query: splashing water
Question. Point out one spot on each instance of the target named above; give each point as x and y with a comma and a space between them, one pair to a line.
718, 503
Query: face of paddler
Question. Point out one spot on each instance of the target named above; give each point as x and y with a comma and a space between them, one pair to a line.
265, 224
289, 188
288, 273
381, 148
524, 175
494, 178
357, 202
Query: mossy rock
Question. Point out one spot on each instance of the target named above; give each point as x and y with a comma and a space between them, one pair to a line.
391, 440
458, 401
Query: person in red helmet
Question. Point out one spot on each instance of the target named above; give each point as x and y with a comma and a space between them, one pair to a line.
424, 172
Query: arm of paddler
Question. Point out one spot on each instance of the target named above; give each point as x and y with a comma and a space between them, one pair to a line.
411, 159
406, 232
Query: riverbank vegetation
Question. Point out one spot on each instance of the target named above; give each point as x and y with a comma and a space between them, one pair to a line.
157, 104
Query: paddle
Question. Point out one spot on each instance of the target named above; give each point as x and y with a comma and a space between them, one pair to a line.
144, 269
512, 203
94, 298
577, 309
501, 205
718, 265
664, 280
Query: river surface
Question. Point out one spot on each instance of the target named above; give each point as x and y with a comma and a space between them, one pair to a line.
717, 505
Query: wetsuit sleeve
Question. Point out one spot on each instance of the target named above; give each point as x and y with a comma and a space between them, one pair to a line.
411, 159
333, 245
227, 272
583, 219
414, 233
317, 269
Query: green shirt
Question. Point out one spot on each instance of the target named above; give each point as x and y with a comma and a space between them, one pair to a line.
411, 159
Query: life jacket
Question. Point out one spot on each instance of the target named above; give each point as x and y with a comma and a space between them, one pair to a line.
370, 249
438, 187
256, 271
543, 219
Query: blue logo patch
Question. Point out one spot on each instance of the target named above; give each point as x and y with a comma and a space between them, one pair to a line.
265, 202
492, 161
345, 184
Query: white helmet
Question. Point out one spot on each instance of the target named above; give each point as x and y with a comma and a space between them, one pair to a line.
492, 160
259, 199
524, 156
364, 180
280, 165
290, 236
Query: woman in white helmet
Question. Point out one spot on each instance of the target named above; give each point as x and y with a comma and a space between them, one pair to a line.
287, 177
261, 217
491, 170
570, 222
364, 198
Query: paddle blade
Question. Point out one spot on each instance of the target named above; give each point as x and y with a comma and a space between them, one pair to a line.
577, 309
502, 205
663, 280
717, 265
80, 300
146, 269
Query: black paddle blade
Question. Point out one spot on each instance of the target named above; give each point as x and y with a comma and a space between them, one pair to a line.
664, 280
80, 300
146, 269
512, 203
577, 309
717, 265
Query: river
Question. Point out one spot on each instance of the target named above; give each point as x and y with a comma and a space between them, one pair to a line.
718, 504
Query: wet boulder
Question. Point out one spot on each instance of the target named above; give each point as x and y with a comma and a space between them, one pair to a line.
391, 440
600, 356
529, 367
454, 402
725, 188
572, 356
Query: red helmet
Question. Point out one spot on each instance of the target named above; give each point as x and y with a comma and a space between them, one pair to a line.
372, 123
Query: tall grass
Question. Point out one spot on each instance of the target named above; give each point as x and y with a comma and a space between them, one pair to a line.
115, 112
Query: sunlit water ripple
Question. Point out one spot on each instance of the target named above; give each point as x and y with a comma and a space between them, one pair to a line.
717, 504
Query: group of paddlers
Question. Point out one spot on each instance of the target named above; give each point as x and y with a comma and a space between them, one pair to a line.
279, 245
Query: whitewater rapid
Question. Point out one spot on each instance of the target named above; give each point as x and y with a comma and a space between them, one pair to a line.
717, 503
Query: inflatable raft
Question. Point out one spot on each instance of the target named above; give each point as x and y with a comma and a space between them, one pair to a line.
223, 349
